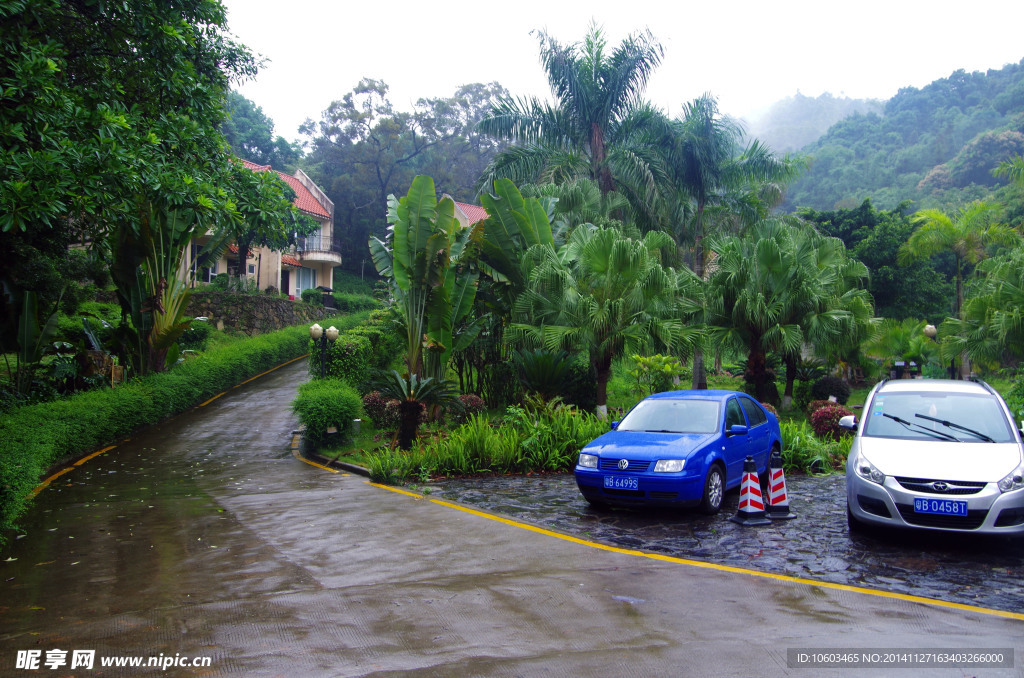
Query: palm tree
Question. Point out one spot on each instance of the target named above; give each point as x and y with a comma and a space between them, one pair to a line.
602, 293
706, 168
596, 127
968, 234
774, 289
413, 395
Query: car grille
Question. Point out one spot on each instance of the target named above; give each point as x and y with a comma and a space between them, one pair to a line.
623, 493
662, 495
924, 485
971, 521
635, 465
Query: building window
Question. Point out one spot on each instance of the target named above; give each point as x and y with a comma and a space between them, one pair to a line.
252, 269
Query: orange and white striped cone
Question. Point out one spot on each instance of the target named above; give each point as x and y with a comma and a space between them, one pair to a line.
778, 497
751, 508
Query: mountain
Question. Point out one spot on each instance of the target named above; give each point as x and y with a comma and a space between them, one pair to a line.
796, 121
935, 146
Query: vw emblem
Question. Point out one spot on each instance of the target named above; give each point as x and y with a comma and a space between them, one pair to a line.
940, 486
623, 464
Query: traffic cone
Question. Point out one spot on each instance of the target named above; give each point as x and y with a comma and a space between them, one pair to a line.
778, 498
751, 508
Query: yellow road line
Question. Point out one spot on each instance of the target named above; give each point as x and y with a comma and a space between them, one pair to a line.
94, 454
269, 371
43, 485
210, 400
713, 566
295, 453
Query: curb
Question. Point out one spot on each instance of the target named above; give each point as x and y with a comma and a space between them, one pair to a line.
298, 448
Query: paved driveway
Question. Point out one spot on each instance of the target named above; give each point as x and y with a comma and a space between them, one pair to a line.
205, 538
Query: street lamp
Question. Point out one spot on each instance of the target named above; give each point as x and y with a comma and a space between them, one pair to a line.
322, 336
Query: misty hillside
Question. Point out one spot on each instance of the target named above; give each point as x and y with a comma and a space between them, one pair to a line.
796, 121
935, 146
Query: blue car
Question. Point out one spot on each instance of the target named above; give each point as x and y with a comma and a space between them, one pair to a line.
678, 449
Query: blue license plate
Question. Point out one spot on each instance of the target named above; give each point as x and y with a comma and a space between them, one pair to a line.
942, 507
621, 483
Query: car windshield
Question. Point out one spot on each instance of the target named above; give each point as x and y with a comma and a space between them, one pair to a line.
938, 416
670, 415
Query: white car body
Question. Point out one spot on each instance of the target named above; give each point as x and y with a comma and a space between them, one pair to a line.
906, 471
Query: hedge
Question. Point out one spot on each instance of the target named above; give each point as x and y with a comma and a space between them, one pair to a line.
35, 437
323, 403
358, 351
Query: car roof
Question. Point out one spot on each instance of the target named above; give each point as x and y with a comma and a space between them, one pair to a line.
700, 394
932, 386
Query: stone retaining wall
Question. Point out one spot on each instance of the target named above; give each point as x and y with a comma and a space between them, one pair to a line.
252, 314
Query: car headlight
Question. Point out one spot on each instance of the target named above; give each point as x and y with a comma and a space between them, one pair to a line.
1014, 481
865, 469
588, 460
669, 465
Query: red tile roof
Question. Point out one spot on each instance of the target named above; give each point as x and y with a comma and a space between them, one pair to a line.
304, 200
475, 213
289, 260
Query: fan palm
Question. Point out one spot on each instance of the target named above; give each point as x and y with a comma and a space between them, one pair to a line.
706, 166
412, 395
602, 293
597, 126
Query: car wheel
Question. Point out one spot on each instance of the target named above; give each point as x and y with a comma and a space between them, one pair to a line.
714, 491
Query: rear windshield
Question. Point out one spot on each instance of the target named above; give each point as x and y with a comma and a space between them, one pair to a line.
955, 412
673, 416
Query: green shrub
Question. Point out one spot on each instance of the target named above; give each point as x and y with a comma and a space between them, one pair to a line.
803, 452
196, 336
351, 303
826, 387
325, 403
313, 296
348, 358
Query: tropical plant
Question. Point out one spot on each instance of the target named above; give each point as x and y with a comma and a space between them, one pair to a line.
596, 126
968, 233
655, 373
992, 326
707, 166
602, 293
412, 394
905, 340
33, 336
423, 256
542, 372
774, 289
825, 422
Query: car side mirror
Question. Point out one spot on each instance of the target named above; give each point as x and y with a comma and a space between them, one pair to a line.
615, 425
738, 430
849, 422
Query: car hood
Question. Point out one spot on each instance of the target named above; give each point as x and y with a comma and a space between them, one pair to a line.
972, 462
640, 445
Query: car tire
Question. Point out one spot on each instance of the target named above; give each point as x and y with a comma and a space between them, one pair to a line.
714, 491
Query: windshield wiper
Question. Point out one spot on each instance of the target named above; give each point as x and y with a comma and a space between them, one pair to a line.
957, 427
650, 430
926, 431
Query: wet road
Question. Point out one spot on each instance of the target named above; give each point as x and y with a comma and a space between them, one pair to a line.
205, 539
817, 544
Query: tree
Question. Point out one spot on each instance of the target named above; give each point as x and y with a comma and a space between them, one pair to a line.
602, 293
596, 127
707, 166
363, 150
968, 234
775, 288
109, 130
250, 133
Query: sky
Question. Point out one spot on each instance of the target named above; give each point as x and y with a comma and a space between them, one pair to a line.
747, 54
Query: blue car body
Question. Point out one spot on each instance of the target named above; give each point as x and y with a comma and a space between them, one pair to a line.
695, 430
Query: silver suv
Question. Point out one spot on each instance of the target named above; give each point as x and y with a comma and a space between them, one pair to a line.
936, 455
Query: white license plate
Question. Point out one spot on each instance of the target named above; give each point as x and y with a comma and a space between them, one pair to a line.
942, 507
621, 483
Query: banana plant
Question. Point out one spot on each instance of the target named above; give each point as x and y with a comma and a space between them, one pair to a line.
33, 336
424, 256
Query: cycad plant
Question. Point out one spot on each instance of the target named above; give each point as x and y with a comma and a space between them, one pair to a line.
413, 395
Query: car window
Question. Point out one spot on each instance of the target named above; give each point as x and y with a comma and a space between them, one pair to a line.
979, 412
672, 415
733, 414
755, 415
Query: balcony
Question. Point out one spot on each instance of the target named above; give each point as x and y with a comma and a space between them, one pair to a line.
317, 249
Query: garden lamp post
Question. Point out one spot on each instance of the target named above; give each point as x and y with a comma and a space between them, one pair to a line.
322, 336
